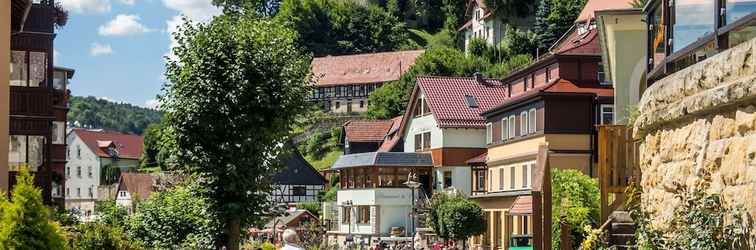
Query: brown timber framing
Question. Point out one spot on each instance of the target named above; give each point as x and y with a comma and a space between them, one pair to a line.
541, 194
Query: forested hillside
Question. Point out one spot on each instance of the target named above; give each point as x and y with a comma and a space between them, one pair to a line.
92, 112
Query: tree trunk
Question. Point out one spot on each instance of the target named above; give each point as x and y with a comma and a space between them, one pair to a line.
233, 233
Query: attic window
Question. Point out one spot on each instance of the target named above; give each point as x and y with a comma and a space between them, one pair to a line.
471, 101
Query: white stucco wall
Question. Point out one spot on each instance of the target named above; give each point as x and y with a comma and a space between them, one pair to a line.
79, 156
461, 178
393, 206
419, 125
464, 138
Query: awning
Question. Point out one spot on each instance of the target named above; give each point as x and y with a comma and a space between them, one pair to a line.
523, 205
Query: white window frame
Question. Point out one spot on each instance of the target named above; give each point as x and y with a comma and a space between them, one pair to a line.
523, 123
532, 120
504, 128
512, 126
601, 113
489, 133
501, 178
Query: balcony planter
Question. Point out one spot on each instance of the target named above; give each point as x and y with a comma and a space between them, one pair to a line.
60, 15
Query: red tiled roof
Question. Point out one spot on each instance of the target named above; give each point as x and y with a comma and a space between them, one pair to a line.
480, 159
523, 205
138, 184
588, 12
129, 146
363, 68
392, 138
557, 86
579, 44
366, 131
446, 99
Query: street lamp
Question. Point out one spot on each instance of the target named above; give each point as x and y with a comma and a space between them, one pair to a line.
348, 204
412, 184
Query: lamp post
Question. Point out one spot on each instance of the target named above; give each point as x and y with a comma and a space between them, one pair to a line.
348, 204
412, 184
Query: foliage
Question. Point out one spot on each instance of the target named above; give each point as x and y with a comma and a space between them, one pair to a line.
327, 160
152, 136
575, 199
24, 220
268, 246
235, 86
702, 221
313, 207
518, 42
455, 217
65, 218
96, 236
92, 112
511, 8
330, 27
110, 213
594, 239
259, 7
638, 3
632, 112
554, 18
514, 63
389, 100
176, 217
331, 194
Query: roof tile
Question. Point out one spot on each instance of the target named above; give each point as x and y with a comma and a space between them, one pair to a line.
363, 68
446, 99
129, 146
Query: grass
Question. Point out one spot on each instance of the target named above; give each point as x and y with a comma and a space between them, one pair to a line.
327, 160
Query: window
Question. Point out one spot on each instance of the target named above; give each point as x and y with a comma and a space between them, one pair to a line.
512, 126
524, 176
525, 225
501, 179
89, 171
607, 114
692, 20
91, 192
122, 194
481, 180
512, 178
602, 75
78, 192
422, 141
477, 14
78, 172
657, 28
68, 171
362, 104
470, 100
447, 179
421, 107
299, 191
28, 69
58, 132
523, 123
338, 105
68, 192
78, 152
532, 121
426, 141
489, 134
525, 83
504, 128
548, 74
418, 142
363, 214
346, 215
26, 150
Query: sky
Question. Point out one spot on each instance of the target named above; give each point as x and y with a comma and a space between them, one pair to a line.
117, 47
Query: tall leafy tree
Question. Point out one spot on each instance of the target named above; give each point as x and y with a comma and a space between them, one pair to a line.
94, 112
258, 7
554, 18
24, 222
235, 86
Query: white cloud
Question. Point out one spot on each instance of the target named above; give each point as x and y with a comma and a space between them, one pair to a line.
99, 49
197, 10
152, 104
123, 25
86, 6
105, 98
128, 2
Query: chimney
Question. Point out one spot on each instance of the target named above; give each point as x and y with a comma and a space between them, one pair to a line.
479, 77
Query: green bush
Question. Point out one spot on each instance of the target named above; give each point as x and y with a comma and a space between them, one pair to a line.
268, 246
24, 220
575, 201
110, 213
455, 217
96, 236
313, 207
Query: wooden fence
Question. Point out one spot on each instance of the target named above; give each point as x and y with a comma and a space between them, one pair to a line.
542, 200
617, 165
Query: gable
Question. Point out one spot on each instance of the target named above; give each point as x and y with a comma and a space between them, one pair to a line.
297, 171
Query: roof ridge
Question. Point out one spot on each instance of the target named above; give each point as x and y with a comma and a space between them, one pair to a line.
368, 54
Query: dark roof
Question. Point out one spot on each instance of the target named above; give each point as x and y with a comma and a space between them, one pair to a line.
128, 146
137, 184
446, 97
388, 159
363, 68
298, 171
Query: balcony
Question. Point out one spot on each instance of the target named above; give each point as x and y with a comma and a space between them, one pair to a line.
684, 32
30, 101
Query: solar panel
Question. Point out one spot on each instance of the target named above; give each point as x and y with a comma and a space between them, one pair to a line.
470, 100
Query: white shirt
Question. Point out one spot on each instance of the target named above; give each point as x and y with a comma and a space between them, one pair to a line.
291, 247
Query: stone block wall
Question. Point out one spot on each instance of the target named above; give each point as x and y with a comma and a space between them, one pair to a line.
699, 133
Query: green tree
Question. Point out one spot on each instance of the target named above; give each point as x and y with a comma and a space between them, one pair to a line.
455, 217
576, 202
94, 112
24, 222
156, 152
554, 18
391, 99
110, 213
235, 87
97, 236
173, 218
257, 7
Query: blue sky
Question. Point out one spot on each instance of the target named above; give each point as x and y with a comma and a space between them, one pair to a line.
117, 46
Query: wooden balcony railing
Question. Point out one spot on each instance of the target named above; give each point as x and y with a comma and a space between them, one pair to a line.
617, 165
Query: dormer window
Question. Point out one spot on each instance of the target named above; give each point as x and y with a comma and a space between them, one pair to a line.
470, 100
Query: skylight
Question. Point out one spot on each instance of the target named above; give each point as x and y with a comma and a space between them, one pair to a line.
470, 100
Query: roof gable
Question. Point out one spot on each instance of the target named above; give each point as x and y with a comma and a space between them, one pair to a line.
128, 146
298, 171
139, 185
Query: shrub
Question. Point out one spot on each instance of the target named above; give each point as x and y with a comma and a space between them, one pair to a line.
96, 236
455, 217
24, 220
110, 213
575, 199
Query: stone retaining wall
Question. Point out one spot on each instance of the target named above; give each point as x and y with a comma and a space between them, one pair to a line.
699, 132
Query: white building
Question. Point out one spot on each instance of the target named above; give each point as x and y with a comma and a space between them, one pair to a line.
443, 120
95, 159
484, 23
134, 187
298, 182
374, 202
